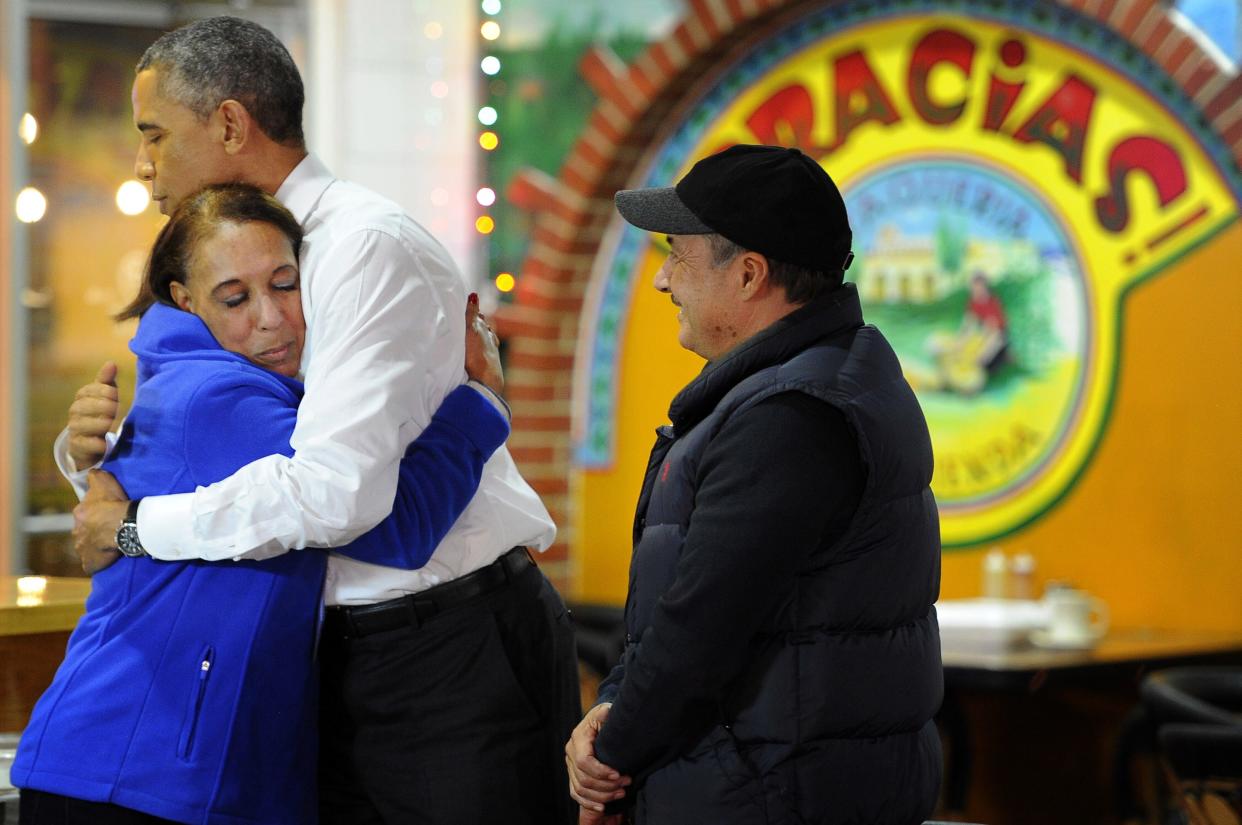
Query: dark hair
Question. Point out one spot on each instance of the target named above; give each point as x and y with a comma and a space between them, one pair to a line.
195, 220
221, 58
800, 284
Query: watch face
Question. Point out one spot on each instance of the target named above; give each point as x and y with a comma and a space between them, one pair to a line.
127, 540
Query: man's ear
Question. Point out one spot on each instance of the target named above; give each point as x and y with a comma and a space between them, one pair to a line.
181, 296
754, 271
235, 124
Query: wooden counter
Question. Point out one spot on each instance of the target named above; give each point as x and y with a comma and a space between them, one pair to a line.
34, 629
57, 607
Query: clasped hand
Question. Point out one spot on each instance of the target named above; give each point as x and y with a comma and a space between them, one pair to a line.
592, 784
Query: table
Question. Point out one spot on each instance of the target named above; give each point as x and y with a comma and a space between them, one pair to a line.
28, 608
1031, 733
1123, 648
34, 629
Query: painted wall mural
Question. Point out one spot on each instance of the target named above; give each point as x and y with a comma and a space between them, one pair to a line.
1009, 181
1045, 201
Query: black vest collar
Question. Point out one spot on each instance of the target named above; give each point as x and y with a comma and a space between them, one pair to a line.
823, 318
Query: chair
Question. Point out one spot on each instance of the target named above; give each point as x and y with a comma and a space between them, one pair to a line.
1207, 695
1197, 713
1204, 763
599, 631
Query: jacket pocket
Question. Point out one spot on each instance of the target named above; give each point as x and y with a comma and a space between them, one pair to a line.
194, 708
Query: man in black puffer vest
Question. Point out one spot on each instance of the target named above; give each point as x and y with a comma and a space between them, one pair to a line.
783, 659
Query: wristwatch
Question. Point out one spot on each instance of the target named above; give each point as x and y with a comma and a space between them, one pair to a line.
127, 534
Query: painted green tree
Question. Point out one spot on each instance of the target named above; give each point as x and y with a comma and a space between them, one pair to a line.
543, 104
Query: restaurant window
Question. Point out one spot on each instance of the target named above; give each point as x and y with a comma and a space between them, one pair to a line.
88, 247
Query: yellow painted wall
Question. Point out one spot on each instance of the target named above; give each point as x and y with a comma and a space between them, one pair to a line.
1154, 525
653, 368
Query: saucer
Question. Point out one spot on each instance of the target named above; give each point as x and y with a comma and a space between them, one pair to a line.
1044, 639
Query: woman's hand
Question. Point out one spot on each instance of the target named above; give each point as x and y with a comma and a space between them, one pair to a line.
482, 349
92, 415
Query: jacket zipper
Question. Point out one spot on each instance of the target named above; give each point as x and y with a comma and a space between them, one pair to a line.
200, 691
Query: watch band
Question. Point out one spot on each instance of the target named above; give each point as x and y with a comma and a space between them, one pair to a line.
127, 534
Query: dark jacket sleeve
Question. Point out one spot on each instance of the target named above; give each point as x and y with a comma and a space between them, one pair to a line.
234, 421
779, 480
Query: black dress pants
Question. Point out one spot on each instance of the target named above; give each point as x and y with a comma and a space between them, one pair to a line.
458, 721
42, 808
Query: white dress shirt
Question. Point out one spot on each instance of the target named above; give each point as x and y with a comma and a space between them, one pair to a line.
385, 326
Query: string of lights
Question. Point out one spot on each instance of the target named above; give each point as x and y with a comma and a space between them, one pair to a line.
132, 197
489, 137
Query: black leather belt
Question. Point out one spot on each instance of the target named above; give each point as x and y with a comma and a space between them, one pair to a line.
413, 610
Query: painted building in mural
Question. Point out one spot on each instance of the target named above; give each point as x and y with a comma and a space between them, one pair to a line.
1027, 184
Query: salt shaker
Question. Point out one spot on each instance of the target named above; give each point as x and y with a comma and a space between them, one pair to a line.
995, 574
1022, 576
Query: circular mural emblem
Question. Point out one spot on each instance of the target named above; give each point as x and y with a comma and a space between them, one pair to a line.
981, 293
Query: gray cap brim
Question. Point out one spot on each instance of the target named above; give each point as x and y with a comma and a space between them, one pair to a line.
659, 210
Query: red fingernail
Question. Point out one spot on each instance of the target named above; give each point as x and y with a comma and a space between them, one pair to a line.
474, 298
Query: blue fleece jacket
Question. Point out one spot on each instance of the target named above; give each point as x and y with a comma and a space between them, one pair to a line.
188, 688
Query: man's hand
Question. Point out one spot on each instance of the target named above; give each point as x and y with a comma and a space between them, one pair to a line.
586, 817
482, 353
96, 520
92, 415
591, 782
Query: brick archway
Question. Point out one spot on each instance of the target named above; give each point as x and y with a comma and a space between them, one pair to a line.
572, 211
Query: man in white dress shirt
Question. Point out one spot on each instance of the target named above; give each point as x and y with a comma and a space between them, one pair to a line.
437, 682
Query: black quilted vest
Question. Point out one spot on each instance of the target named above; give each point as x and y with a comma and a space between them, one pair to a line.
831, 723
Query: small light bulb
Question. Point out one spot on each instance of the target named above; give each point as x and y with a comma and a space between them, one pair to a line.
505, 282
485, 224
132, 197
490, 30
489, 141
29, 128
31, 205
491, 6
490, 65
30, 585
487, 116
485, 196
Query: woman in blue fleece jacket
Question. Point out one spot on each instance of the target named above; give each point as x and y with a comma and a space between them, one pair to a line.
188, 689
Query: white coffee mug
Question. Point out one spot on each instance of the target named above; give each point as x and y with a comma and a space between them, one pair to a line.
1074, 616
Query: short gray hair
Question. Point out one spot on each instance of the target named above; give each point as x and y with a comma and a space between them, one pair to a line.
800, 284
221, 58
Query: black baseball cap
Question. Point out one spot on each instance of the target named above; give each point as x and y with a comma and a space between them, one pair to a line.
769, 199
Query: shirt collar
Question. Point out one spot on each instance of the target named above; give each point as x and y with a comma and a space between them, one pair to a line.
304, 186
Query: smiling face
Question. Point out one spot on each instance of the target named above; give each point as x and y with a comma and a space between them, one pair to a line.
702, 291
243, 283
177, 152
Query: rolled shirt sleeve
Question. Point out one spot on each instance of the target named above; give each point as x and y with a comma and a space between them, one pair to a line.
77, 478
